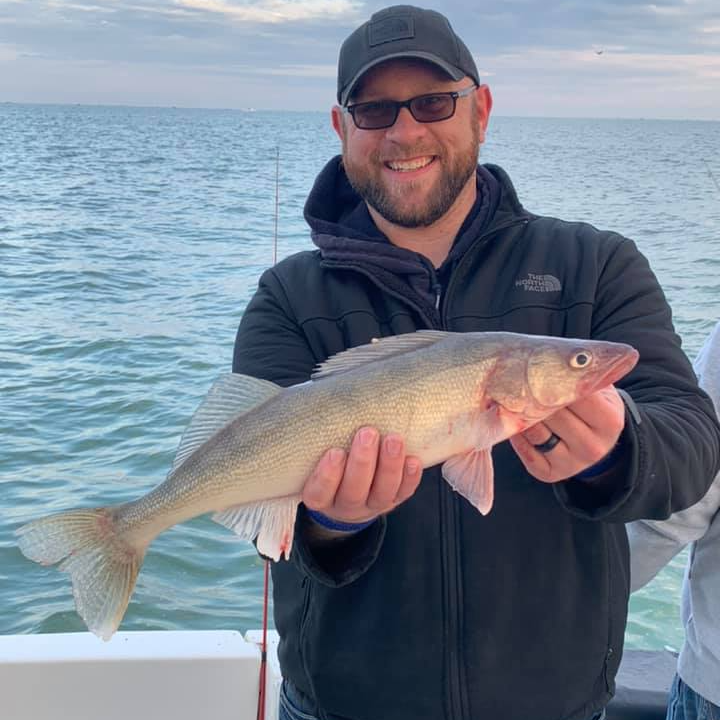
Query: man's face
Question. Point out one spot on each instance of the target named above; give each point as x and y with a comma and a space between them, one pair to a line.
412, 173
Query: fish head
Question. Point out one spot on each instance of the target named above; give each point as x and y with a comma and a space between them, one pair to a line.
538, 375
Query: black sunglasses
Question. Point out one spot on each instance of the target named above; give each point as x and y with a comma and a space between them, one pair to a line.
429, 108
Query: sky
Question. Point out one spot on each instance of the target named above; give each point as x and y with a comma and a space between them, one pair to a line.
557, 58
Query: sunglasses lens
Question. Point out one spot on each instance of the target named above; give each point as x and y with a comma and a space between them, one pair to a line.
384, 113
431, 108
374, 115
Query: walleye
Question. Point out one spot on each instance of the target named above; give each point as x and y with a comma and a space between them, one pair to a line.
251, 444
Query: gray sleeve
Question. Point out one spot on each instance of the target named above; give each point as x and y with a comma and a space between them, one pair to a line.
653, 543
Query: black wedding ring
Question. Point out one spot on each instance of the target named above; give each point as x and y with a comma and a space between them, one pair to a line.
548, 445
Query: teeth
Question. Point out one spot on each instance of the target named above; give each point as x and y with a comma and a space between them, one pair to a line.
406, 165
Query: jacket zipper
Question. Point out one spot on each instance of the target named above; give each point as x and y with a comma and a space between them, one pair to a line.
471, 253
306, 586
457, 705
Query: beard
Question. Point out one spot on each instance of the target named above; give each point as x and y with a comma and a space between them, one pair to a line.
398, 207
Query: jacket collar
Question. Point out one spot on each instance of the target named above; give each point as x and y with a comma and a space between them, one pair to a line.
343, 230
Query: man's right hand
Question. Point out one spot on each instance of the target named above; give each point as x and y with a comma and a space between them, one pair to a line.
372, 479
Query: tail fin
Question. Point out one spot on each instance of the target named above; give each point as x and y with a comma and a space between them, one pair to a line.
102, 565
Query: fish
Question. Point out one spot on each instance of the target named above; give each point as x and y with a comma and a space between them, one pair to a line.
251, 444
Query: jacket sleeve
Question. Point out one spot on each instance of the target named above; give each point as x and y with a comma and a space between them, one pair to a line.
654, 543
671, 444
270, 344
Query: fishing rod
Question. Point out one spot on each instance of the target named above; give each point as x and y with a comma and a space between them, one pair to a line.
262, 689
710, 173
277, 201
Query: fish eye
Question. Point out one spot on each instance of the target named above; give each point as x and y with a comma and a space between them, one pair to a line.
581, 359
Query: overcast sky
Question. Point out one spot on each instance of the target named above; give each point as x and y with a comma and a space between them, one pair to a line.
594, 58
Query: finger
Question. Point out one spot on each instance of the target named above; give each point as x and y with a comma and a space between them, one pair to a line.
359, 469
537, 464
603, 410
388, 473
321, 487
412, 473
537, 434
585, 444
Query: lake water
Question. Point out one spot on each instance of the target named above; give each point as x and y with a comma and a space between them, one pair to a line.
131, 240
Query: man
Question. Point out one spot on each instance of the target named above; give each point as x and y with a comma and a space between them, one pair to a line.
695, 693
400, 600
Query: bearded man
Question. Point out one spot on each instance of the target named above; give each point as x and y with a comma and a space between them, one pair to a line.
400, 600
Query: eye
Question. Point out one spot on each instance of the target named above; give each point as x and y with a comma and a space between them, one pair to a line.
581, 359
432, 104
374, 109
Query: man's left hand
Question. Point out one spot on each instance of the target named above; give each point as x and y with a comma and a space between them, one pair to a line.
587, 430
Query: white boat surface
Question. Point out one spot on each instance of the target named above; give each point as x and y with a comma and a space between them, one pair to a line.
205, 675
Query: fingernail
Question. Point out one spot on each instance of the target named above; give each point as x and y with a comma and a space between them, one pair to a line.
393, 445
412, 467
368, 437
336, 456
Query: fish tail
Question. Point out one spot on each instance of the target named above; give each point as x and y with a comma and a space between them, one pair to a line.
102, 564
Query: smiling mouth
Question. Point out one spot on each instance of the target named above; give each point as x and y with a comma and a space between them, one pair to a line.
409, 165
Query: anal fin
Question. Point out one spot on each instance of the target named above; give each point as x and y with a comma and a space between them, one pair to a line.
272, 522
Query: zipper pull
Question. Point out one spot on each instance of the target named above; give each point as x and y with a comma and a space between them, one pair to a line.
438, 293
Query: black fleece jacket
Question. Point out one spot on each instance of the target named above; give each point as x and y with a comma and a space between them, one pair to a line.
435, 612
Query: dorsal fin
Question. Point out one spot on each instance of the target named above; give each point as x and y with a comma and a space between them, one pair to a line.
378, 349
230, 395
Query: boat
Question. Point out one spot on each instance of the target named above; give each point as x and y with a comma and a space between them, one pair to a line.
207, 675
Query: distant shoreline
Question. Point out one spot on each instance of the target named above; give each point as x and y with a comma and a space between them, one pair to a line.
248, 110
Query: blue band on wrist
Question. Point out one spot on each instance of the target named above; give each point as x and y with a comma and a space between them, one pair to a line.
331, 524
601, 465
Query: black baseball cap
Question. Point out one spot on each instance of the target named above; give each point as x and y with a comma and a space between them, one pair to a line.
402, 31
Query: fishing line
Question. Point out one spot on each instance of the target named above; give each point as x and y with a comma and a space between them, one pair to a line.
263, 647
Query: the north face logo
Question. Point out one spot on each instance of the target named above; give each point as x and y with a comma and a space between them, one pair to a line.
539, 283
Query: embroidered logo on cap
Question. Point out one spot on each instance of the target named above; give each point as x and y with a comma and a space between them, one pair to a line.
539, 283
390, 29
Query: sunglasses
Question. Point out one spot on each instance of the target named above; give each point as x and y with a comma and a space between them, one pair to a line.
430, 108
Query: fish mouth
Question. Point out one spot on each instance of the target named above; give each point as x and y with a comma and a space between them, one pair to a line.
616, 359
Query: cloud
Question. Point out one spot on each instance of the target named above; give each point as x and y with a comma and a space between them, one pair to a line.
8, 53
184, 52
278, 11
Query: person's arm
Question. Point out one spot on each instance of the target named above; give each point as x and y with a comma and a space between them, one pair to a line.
670, 439
340, 525
654, 543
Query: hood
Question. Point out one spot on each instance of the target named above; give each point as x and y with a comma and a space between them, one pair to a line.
343, 230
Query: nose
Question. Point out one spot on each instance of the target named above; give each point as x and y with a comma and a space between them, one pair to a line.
405, 127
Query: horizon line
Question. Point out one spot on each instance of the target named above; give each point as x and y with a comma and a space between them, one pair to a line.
251, 109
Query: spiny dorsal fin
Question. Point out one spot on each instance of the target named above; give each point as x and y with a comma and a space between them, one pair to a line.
231, 395
378, 349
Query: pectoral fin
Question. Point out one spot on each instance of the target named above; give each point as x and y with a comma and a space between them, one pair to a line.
472, 475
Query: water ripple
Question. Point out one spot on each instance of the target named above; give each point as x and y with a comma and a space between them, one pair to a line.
132, 241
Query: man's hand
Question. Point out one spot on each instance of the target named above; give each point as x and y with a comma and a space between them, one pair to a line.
588, 430
370, 480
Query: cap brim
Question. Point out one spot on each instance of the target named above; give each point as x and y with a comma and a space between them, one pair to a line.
454, 72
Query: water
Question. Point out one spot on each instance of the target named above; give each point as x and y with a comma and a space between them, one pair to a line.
131, 240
